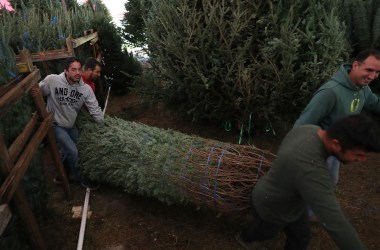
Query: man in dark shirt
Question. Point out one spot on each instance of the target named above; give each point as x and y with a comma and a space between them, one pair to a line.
299, 178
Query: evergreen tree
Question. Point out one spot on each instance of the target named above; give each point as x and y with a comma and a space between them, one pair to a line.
231, 60
363, 21
133, 26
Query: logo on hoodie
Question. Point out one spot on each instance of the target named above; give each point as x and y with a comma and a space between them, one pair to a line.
355, 103
67, 97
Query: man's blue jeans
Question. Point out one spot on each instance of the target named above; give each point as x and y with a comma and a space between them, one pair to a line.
67, 140
333, 165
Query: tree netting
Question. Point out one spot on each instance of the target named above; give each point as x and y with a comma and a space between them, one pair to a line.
170, 166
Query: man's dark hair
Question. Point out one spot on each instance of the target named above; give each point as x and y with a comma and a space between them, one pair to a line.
69, 61
366, 53
91, 63
356, 132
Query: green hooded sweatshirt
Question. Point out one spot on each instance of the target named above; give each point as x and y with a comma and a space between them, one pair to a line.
337, 98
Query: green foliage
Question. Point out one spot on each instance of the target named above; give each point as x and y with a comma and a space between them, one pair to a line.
226, 60
363, 21
133, 26
44, 25
130, 155
8, 68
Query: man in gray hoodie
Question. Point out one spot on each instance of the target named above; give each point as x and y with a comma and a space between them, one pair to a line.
66, 94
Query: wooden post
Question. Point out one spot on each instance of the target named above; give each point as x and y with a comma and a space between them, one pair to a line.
21, 203
13, 180
70, 48
40, 105
25, 65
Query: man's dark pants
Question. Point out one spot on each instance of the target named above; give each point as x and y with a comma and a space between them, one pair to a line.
298, 233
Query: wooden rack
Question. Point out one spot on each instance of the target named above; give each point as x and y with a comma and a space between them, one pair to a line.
14, 161
25, 62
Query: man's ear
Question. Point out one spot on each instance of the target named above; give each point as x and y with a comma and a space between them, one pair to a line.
355, 64
335, 145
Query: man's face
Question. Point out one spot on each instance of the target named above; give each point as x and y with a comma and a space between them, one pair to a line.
95, 74
351, 155
365, 72
73, 74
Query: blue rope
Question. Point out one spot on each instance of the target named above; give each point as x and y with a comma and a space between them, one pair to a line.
216, 176
261, 164
203, 183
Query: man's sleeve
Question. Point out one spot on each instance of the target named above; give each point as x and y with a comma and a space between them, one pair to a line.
93, 107
320, 197
319, 106
372, 102
44, 85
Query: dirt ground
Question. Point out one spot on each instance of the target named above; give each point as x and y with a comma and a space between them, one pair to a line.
122, 221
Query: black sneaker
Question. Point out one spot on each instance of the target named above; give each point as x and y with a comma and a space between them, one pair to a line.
90, 184
57, 180
255, 245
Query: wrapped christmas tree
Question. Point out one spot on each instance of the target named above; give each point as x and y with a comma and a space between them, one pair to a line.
171, 166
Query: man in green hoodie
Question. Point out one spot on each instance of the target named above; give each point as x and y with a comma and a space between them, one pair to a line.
346, 93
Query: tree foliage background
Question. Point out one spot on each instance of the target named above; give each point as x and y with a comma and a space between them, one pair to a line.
44, 24
230, 60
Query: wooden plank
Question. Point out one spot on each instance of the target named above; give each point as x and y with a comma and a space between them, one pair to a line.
5, 217
10, 98
25, 65
93, 41
21, 203
48, 55
12, 181
69, 44
84, 39
19, 144
5, 88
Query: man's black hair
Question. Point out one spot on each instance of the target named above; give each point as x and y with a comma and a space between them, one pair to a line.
366, 53
356, 132
91, 63
69, 61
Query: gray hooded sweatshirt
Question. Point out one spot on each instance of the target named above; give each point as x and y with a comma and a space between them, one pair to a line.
64, 100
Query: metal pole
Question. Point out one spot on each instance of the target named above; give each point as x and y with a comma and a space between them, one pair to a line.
84, 218
108, 95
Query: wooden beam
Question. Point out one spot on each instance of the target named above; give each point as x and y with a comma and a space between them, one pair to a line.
5, 217
21, 203
25, 64
69, 44
93, 41
6, 87
49, 55
13, 95
19, 144
12, 181
84, 39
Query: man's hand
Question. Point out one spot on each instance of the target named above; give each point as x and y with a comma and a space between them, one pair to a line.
34, 91
100, 124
